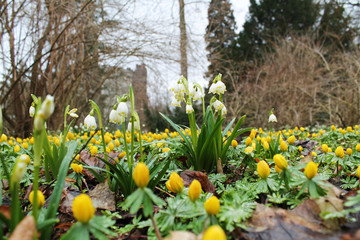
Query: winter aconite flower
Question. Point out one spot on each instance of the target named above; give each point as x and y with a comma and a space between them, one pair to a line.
194, 190
357, 148
77, 167
311, 170
324, 148
212, 205
141, 175
291, 139
339, 152
349, 151
280, 161
283, 146
175, 183
266, 145
358, 171
214, 232
263, 169
83, 209
234, 143
248, 150
40, 198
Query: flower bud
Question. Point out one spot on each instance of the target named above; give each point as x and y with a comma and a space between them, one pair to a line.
311, 170
141, 175
18, 172
176, 183
47, 107
349, 151
339, 152
324, 148
283, 146
280, 161
277, 169
39, 121
248, 141
263, 169
214, 232
17, 148
31, 111
83, 209
40, 198
291, 139
234, 143
194, 190
357, 148
24, 158
248, 150
77, 167
212, 205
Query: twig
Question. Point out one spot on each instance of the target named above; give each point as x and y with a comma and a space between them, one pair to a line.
155, 227
164, 192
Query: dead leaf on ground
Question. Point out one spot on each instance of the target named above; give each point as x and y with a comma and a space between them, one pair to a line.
25, 230
94, 161
5, 210
188, 176
301, 223
102, 197
67, 198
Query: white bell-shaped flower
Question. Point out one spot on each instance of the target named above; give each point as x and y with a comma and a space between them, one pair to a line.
272, 118
220, 87
189, 108
47, 107
122, 109
115, 117
223, 110
31, 111
175, 102
218, 105
136, 126
90, 122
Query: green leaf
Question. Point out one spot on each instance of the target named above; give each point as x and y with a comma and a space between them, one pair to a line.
77, 231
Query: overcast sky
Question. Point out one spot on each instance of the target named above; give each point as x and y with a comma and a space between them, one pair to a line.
165, 13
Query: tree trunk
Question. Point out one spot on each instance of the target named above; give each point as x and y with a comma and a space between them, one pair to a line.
183, 40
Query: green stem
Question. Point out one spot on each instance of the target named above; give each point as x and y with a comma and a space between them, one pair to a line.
193, 129
38, 137
157, 232
132, 140
126, 146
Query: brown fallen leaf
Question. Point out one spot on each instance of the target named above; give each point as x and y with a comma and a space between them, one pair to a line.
102, 197
25, 230
301, 223
188, 176
5, 210
94, 161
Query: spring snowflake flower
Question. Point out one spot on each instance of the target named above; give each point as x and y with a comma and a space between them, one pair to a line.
218, 105
90, 122
115, 117
217, 88
196, 93
122, 109
31, 111
175, 102
189, 108
272, 118
47, 107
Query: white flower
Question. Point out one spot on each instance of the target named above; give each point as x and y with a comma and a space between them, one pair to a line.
115, 117
136, 126
272, 118
72, 113
217, 88
223, 111
178, 88
179, 96
218, 105
176, 102
122, 109
31, 111
18, 172
47, 107
39, 121
195, 93
90, 122
189, 108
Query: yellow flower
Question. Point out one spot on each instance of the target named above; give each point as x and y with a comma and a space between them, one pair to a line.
77, 167
25, 145
248, 150
234, 143
333, 128
194, 190
214, 232
93, 150
248, 141
117, 142
300, 148
17, 148
324, 148
302, 129
314, 154
329, 150
40, 198
253, 133
175, 183
357, 148
212, 205
25, 158
268, 139
358, 171
339, 152
283, 146
165, 150
3, 138
291, 139
121, 155
82, 208
349, 129
349, 151
277, 169
141, 175
263, 169
266, 145
311, 170
111, 146
280, 161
